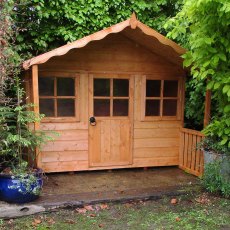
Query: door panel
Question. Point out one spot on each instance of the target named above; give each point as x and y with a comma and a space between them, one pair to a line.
110, 139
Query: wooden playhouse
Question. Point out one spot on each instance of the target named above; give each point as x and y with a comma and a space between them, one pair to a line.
116, 98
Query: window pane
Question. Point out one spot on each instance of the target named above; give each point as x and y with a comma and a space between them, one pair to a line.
169, 107
152, 108
65, 108
101, 107
65, 86
153, 88
46, 107
121, 87
120, 107
170, 88
101, 87
46, 86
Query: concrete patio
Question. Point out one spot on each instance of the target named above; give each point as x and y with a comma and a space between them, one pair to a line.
78, 189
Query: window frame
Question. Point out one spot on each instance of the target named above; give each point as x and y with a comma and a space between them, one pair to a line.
76, 97
111, 97
161, 98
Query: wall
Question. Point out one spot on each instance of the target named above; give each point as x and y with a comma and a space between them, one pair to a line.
155, 143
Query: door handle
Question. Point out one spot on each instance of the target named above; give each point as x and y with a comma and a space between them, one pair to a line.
92, 121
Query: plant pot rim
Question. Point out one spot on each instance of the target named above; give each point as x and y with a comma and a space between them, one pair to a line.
38, 172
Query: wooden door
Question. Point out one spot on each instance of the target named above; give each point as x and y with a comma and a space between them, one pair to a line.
111, 104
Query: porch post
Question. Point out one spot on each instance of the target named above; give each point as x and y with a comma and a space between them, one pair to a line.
207, 108
36, 107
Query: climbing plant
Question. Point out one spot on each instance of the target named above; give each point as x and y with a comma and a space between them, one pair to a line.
204, 26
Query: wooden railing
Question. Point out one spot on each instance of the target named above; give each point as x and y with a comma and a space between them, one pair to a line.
191, 158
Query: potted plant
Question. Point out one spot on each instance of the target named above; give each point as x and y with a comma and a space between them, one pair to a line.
20, 180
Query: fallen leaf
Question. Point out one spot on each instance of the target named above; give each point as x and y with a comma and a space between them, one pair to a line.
128, 205
103, 206
81, 210
173, 201
10, 221
178, 219
92, 215
101, 225
36, 222
70, 221
203, 199
89, 208
50, 221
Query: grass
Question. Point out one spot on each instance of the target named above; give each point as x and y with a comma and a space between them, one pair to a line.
190, 212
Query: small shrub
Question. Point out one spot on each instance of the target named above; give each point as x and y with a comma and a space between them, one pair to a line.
214, 180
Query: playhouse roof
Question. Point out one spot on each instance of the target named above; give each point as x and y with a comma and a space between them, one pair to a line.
131, 28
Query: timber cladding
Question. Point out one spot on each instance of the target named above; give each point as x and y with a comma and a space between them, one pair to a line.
111, 78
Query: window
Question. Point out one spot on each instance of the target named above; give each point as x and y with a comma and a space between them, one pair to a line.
58, 96
110, 97
161, 98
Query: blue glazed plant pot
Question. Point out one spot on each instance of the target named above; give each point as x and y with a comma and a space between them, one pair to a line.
13, 190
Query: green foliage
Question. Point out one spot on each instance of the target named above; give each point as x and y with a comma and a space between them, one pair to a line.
206, 34
9, 58
49, 24
214, 180
17, 140
211, 143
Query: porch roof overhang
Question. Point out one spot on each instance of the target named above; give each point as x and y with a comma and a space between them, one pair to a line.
131, 28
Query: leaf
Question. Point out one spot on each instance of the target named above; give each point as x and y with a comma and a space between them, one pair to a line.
81, 210
89, 208
222, 56
173, 201
178, 219
226, 88
36, 222
70, 221
103, 206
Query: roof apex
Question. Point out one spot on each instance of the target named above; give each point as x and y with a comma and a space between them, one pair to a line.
130, 22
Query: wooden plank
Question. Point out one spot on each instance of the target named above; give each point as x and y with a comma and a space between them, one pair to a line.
64, 126
189, 158
193, 152
156, 142
189, 170
193, 132
56, 146
157, 124
198, 155
70, 135
125, 148
207, 108
137, 98
64, 156
152, 133
186, 140
36, 108
115, 141
65, 166
156, 152
95, 144
181, 149
83, 97
105, 141
158, 161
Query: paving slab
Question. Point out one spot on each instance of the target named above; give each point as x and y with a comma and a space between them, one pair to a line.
80, 188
